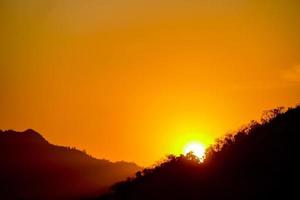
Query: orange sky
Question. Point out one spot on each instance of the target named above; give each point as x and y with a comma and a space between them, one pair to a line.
137, 79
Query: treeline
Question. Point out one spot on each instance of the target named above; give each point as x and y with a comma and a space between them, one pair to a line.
259, 161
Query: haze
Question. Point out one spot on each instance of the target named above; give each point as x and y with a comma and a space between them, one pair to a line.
138, 79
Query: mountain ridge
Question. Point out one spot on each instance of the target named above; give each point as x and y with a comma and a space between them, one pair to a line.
259, 161
33, 168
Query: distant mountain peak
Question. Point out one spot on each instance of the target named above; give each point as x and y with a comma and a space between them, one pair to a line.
32, 168
27, 135
34, 134
31, 131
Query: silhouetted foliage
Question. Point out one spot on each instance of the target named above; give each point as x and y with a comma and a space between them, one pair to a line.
259, 161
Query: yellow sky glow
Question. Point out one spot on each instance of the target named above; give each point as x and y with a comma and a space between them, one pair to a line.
138, 79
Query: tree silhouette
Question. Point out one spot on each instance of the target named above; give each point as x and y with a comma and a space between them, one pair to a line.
259, 161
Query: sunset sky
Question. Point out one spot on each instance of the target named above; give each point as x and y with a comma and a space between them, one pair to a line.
135, 80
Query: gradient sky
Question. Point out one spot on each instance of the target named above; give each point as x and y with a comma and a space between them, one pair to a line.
137, 79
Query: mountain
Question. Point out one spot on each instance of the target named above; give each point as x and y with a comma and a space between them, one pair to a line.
32, 168
259, 161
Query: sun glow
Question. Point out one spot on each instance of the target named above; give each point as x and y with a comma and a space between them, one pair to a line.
196, 148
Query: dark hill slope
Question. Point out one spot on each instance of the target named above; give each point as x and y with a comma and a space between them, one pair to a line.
32, 168
260, 161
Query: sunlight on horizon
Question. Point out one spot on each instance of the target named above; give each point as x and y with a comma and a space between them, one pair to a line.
196, 148
136, 80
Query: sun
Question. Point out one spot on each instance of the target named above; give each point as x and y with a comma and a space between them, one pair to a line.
196, 148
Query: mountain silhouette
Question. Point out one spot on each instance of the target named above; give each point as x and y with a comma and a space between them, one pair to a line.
259, 161
32, 168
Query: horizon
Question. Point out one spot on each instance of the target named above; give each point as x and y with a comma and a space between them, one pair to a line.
137, 80
196, 147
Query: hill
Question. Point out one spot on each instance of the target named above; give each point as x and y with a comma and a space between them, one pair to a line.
259, 161
32, 168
